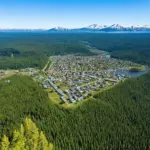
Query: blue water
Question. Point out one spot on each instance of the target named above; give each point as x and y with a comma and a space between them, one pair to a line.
127, 73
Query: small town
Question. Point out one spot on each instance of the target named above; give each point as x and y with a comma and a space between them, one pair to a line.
73, 78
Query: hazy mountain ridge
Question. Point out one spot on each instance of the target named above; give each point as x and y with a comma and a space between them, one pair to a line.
90, 28
22, 30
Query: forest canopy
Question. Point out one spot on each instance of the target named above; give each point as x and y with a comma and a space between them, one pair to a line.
23, 50
117, 118
28, 137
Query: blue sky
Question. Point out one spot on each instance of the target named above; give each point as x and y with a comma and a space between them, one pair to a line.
72, 13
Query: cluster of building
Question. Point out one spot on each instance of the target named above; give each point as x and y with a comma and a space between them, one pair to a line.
81, 75
84, 74
34, 73
2, 74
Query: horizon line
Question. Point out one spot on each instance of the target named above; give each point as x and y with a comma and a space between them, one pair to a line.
124, 25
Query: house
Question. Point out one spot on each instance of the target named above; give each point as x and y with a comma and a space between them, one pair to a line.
45, 86
63, 99
72, 100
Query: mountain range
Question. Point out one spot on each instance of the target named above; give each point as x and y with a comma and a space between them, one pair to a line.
91, 28
104, 28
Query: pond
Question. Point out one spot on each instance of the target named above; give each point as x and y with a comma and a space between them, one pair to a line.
128, 73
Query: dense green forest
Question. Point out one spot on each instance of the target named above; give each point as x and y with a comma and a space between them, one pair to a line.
133, 47
27, 137
118, 118
22, 50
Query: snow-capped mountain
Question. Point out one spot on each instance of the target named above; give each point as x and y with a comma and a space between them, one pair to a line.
117, 26
58, 29
91, 28
114, 27
96, 26
146, 26
105, 28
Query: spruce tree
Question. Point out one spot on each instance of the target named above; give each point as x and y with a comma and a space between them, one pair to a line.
5, 143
